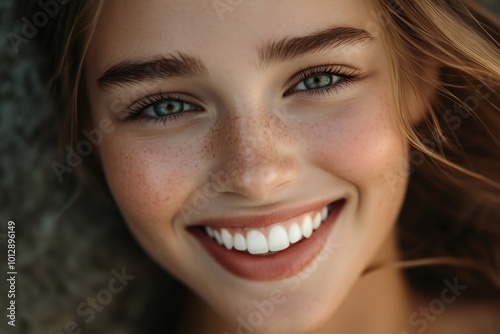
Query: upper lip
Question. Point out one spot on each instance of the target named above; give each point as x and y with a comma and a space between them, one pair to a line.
263, 219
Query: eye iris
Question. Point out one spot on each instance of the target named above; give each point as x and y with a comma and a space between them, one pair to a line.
165, 108
318, 81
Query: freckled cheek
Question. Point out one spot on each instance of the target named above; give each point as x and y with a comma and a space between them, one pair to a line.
360, 148
149, 181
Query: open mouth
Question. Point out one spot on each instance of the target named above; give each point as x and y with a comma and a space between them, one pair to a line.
273, 238
271, 252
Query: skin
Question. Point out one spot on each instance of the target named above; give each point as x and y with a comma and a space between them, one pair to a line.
276, 151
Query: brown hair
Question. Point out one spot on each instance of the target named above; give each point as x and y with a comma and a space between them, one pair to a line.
452, 208
451, 214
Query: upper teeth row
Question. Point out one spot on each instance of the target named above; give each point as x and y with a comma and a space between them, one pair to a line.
255, 242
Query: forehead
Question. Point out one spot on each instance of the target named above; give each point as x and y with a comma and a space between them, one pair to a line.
206, 28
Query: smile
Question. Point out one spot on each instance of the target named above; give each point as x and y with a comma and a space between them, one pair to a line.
270, 239
265, 249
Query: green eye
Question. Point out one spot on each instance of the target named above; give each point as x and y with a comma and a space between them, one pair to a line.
317, 81
166, 108
323, 80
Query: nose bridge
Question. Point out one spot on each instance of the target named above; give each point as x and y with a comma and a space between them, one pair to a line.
253, 150
251, 136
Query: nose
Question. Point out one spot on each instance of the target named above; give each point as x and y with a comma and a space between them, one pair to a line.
255, 158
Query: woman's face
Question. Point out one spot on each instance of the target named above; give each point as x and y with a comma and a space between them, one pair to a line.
230, 115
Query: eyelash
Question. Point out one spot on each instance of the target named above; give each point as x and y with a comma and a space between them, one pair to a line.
346, 75
135, 112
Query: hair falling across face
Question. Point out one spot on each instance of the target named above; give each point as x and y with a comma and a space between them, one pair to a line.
259, 154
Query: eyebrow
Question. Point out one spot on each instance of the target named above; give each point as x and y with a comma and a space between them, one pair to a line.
186, 66
288, 49
134, 71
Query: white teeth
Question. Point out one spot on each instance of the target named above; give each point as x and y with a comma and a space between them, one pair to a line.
294, 233
307, 226
227, 239
239, 242
278, 239
256, 242
210, 231
217, 237
317, 221
324, 213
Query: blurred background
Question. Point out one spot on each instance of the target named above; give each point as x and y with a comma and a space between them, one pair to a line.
494, 5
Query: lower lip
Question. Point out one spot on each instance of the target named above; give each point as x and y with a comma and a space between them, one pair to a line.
280, 265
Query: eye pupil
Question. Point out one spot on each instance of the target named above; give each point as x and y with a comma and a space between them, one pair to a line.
165, 108
319, 81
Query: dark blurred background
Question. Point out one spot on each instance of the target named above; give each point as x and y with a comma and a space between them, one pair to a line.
493, 4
